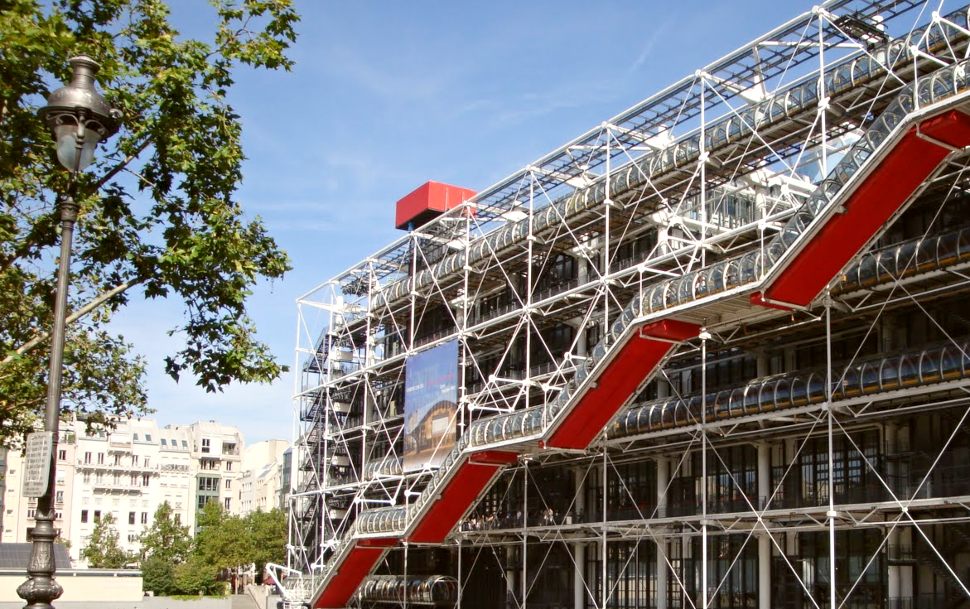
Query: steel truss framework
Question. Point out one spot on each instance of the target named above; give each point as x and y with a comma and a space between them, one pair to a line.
712, 350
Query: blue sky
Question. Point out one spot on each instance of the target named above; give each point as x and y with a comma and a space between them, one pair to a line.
387, 95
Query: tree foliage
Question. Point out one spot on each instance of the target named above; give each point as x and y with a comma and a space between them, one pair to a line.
222, 540
268, 531
195, 576
166, 539
103, 550
174, 563
158, 576
226, 541
159, 215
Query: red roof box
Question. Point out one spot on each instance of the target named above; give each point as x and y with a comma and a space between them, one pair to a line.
428, 201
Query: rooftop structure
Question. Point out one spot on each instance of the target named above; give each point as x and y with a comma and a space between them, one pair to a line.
710, 353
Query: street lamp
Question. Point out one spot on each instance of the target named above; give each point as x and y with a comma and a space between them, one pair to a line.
78, 118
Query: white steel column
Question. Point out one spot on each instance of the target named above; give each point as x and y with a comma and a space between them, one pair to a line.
579, 588
764, 540
605, 263
604, 586
579, 547
831, 459
764, 475
893, 571
663, 477
890, 431
525, 528
509, 579
761, 364
704, 336
527, 311
764, 571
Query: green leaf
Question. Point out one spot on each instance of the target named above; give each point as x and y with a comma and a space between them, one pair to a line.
177, 232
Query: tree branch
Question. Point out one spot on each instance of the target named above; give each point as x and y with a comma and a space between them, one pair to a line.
117, 168
6, 264
78, 314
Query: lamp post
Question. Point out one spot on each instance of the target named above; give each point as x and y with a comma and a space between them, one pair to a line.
78, 118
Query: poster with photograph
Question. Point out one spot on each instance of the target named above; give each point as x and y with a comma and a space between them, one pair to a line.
430, 406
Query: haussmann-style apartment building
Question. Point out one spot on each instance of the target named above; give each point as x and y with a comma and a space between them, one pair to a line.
714, 352
128, 472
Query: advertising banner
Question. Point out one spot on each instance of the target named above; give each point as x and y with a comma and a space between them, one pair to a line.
430, 406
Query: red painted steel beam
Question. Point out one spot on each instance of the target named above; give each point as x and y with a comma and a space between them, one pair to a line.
875, 200
671, 329
494, 457
634, 362
457, 496
351, 572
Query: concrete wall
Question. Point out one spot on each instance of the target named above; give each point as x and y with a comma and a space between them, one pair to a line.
259, 595
93, 585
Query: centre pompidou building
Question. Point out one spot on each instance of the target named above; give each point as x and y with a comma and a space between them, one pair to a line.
714, 352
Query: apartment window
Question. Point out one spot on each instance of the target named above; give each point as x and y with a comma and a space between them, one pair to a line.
99, 477
144, 517
97, 515
207, 483
204, 499
145, 479
87, 477
185, 443
205, 445
164, 442
132, 538
146, 461
117, 479
148, 437
134, 479
131, 517
178, 517
100, 458
226, 503
84, 516
87, 458
59, 497
228, 466
62, 455
117, 459
135, 437
228, 484
31, 512
134, 460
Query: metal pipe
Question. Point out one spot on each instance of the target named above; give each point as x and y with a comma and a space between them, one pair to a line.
704, 336
831, 413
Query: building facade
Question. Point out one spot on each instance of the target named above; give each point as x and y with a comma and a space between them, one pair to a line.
217, 462
712, 353
128, 472
18, 511
262, 479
